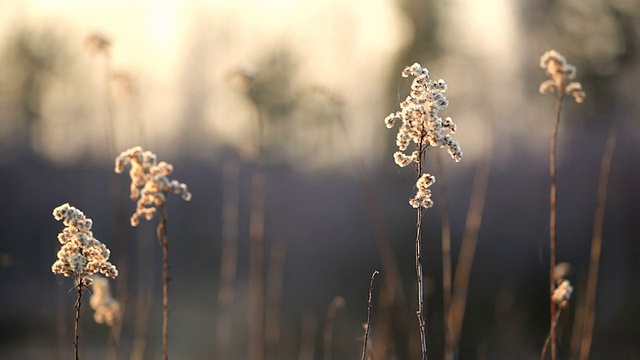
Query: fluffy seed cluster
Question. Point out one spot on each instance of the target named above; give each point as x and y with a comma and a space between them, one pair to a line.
107, 309
149, 182
562, 293
422, 126
81, 254
423, 195
559, 71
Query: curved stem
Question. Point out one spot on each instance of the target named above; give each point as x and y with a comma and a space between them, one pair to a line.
164, 243
553, 199
80, 288
418, 258
369, 306
596, 247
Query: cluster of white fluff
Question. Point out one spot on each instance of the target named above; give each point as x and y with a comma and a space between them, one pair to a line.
149, 182
557, 68
423, 195
81, 254
422, 126
562, 294
107, 309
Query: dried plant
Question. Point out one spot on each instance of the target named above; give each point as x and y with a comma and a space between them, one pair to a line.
80, 256
367, 325
586, 335
560, 297
150, 187
559, 73
422, 126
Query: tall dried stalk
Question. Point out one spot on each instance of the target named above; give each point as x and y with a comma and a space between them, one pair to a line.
369, 306
558, 70
391, 293
424, 128
76, 335
554, 323
553, 200
229, 258
418, 262
470, 241
163, 239
596, 247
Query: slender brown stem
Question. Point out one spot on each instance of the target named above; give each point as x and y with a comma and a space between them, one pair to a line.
446, 259
369, 306
256, 262
418, 255
392, 309
164, 242
596, 247
554, 324
80, 288
470, 241
553, 200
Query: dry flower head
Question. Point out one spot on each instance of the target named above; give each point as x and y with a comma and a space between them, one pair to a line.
149, 182
423, 127
81, 254
559, 71
562, 294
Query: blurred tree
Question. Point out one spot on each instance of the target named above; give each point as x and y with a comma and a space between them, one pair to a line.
31, 59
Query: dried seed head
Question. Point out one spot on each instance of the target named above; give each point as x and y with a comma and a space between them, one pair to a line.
149, 182
559, 71
81, 254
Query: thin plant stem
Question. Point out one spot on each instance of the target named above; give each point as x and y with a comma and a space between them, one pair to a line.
164, 243
256, 262
327, 336
80, 288
596, 247
554, 324
470, 241
369, 306
418, 258
553, 200
392, 293
446, 259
